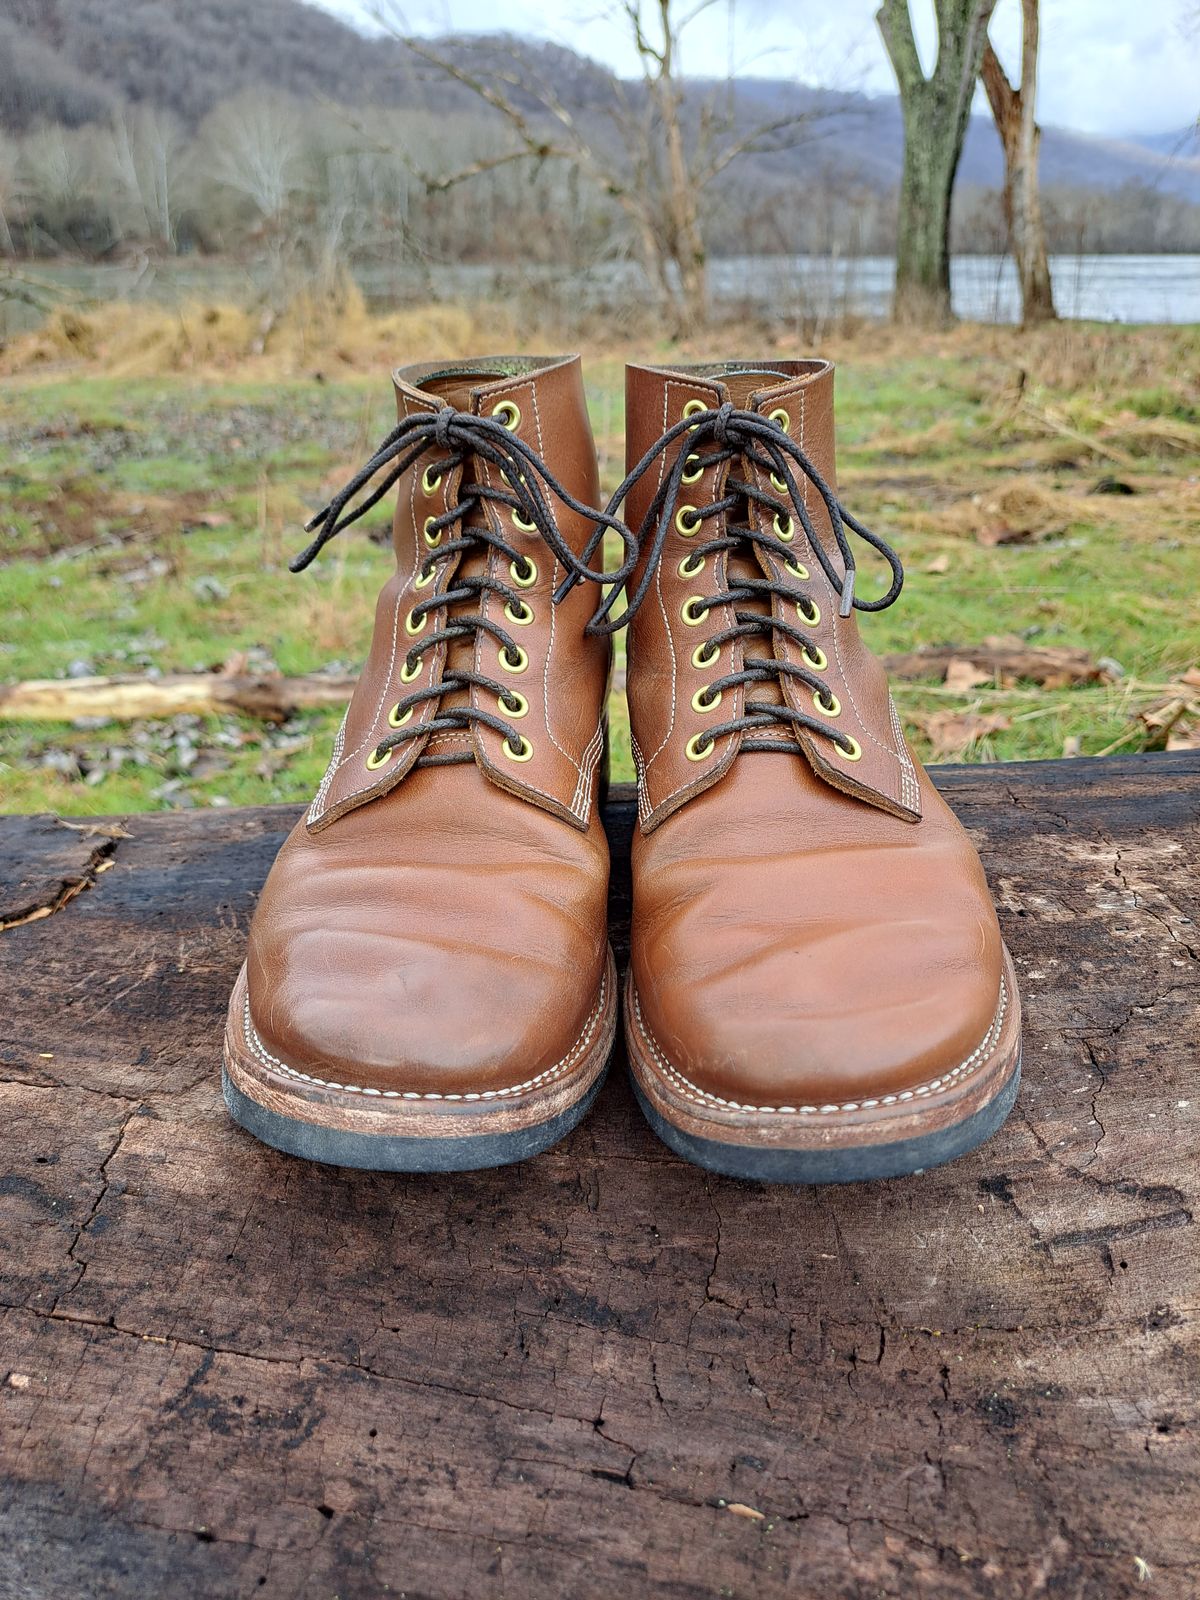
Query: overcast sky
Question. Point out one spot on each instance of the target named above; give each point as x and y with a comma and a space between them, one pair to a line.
1108, 66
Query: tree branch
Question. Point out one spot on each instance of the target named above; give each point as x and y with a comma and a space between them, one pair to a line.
895, 25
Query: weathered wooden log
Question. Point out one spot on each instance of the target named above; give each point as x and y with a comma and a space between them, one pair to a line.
224, 1373
127, 698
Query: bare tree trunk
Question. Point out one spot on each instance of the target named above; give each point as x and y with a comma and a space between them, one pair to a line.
936, 110
688, 250
1020, 136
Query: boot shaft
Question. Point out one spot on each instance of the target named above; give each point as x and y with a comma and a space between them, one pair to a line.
793, 573
464, 551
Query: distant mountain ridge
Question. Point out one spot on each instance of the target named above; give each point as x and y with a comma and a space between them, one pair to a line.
75, 61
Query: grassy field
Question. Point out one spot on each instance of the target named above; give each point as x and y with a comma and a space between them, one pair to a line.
154, 480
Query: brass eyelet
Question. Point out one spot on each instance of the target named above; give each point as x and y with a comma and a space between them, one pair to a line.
521, 618
693, 408
778, 484
705, 700
808, 611
699, 747
781, 418
705, 655
523, 751
432, 539
395, 721
833, 709
413, 627
695, 475
430, 481
407, 673
521, 663
688, 612
785, 528
815, 658
531, 572
521, 709
508, 414
853, 753
691, 566
520, 522
425, 578
687, 522
375, 760
796, 568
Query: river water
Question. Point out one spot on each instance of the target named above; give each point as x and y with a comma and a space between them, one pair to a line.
1130, 288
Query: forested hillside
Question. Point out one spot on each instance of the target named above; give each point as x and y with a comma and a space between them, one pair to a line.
222, 125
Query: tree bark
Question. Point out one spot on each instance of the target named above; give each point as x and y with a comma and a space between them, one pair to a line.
935, 109
1014, 111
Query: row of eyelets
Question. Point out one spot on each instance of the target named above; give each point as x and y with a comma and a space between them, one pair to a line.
508, 414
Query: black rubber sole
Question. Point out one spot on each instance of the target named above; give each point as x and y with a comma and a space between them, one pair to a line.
336, 1147
900, 1159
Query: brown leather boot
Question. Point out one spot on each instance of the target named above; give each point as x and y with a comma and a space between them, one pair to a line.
818, 989
429, 984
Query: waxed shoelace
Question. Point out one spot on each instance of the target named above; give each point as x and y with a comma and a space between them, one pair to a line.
456, 436
736, 434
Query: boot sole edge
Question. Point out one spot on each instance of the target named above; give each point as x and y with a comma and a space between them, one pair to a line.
841, 1149
346, 1130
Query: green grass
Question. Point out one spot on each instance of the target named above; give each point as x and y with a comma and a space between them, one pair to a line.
146, 523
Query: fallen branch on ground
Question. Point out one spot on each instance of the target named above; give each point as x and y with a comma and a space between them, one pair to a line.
126, 699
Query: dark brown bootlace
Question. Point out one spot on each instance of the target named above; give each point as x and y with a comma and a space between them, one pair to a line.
456, 436
735, 434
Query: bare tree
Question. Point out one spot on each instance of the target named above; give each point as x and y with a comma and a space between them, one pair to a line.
8, 192
936, 109
1014, 110
257, 149
669, 148
144, 156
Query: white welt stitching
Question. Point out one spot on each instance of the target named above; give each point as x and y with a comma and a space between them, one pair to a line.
691, 1091
255, 1045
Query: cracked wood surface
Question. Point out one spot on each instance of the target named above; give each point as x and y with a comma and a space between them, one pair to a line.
226, 1373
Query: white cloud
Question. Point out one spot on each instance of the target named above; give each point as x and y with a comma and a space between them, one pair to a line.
1106, 66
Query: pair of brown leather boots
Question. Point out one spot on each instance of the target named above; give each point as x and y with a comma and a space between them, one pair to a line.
818, 990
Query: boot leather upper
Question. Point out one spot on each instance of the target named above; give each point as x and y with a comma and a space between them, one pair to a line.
440, 929
806, 929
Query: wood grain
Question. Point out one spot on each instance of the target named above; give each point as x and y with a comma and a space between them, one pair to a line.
224, 1373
